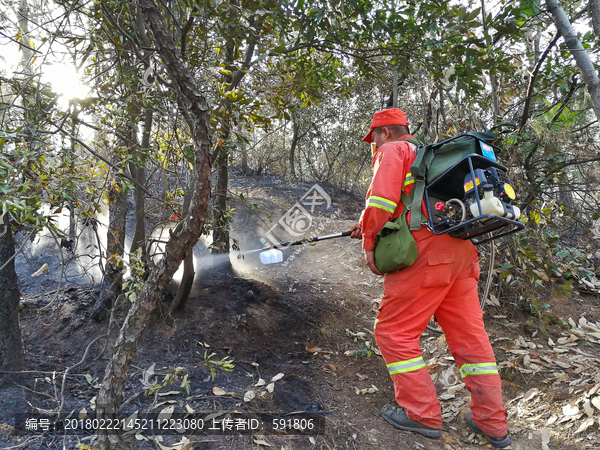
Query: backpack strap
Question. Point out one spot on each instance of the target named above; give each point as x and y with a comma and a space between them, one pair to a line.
418, 171
410, 140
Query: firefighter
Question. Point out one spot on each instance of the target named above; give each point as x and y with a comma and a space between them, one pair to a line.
441, 282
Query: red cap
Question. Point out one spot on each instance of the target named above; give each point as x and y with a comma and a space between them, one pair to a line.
392, 116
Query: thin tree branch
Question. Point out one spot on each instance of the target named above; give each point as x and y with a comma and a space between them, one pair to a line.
534, 74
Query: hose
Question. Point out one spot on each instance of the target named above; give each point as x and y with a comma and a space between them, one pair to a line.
488, 282
462, 207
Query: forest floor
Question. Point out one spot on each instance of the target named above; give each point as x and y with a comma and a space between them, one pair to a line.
299, 334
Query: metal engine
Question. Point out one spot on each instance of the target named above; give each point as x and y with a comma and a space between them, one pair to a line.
473, 200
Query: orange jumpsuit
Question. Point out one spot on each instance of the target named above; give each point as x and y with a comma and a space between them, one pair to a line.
441, 282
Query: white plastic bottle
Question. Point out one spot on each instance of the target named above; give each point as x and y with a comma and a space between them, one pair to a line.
490, 204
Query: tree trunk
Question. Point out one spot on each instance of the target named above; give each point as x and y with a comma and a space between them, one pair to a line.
493, 82
139, 172
222, 219
194, 108
115, 239
221, 226
295, 139
244, 159
585, 64
11, 345
595, 13
187, 279
115, 245
72, 204
23, 20
395, 88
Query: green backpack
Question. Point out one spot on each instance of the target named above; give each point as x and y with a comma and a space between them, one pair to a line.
395, 246
434, 160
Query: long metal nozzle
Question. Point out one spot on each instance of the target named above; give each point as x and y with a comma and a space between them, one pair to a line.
271, 254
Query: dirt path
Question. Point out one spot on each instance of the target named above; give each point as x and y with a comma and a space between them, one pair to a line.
310, 319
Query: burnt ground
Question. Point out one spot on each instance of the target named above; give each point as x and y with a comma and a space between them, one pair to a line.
311, 320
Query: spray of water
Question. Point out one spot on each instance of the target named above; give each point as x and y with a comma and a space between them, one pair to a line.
82, 265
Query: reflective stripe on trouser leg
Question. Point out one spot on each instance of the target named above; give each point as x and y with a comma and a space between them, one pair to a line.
478, 369
406, 366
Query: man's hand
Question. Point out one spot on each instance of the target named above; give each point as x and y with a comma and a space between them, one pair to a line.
370, 259
356, 232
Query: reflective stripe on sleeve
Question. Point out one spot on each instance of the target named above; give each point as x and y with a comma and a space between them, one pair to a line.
478, 369
382, 203
409, 179
406, 366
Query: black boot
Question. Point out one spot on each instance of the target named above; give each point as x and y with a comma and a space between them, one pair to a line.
496, 442
398, 418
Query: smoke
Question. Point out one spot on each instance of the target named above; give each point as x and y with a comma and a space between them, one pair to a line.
80, 261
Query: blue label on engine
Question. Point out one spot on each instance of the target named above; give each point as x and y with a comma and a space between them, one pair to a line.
488, 151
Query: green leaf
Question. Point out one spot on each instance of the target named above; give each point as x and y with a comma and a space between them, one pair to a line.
503, 275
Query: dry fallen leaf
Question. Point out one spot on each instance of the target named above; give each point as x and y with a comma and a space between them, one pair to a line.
271, 387
530, 394
551, 420
260, 382
596, 402
370, 390
571, 338
570, 411
545, 439
166, 413
456, 388
262, 442
218, 391
585, 425
587, 407
164, 394
40, 271
248, 396
329, 367
277, 377
358, 335
129, 423
313, 348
